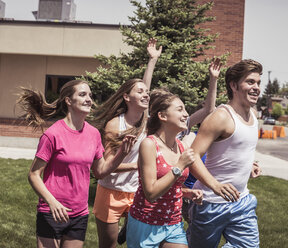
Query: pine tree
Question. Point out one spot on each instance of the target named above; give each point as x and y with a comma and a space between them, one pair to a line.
272, 88
268, 89
284, 90
176, 24
276, 86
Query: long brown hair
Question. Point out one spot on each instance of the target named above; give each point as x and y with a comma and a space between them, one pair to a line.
160, 100
116, 106
37, 110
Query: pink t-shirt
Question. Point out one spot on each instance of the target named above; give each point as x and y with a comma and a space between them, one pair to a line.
69, 155
166, 210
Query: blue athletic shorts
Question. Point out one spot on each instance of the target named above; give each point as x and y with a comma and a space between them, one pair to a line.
237, 221
47, 227
140, 234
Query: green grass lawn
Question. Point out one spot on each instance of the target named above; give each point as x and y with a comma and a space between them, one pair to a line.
18, 208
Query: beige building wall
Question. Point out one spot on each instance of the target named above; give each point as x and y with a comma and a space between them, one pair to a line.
30, 71
60, 39
31, 50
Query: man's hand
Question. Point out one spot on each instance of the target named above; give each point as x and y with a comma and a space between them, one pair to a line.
256, 170
227, 191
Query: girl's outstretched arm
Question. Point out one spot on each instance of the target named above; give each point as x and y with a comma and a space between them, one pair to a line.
209, 105
154, 54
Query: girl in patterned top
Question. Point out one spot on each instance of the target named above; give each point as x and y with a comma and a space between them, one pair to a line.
155, 216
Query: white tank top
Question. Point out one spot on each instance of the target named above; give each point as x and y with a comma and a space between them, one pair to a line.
124, 181
230, 160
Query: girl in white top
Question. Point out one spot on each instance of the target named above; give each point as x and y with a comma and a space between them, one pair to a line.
123, 113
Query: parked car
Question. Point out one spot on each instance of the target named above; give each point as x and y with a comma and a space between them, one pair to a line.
270, 121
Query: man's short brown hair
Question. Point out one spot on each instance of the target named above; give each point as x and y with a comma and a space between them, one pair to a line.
240, 70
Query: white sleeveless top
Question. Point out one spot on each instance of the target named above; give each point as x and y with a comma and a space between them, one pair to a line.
124, 181
231, 160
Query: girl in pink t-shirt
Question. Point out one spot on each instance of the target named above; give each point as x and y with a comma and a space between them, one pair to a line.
155, 216
66, 153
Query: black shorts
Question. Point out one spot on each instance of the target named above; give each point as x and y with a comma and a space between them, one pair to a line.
47, 227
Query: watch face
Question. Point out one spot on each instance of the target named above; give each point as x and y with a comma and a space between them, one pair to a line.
176, 171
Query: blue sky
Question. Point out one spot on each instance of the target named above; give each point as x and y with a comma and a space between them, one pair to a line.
265, 27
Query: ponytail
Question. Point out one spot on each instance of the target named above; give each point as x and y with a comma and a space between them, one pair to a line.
36, 109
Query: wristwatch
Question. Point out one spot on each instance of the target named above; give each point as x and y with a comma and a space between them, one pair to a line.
177, 171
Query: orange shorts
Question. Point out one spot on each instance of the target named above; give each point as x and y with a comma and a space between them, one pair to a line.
110, 205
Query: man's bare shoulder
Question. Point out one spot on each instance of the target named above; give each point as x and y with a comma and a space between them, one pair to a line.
219, 124
220, 115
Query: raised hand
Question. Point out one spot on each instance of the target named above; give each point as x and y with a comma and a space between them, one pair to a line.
227, 191
214, 68
127, 143
151, 49
186, 159
59, 212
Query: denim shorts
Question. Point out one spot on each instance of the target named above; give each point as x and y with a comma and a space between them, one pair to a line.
47, 227
237, 221
140, 234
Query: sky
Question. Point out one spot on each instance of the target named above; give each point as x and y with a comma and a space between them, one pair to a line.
265, 27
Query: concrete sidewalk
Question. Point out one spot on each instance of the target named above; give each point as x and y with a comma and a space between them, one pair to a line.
17, 153
16, 148
272, 166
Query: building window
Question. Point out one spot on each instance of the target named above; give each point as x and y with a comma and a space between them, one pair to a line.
54, 84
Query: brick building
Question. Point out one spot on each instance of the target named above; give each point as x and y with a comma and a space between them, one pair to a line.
41, 54
229, 24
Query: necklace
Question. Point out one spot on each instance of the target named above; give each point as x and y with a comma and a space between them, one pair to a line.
171, 148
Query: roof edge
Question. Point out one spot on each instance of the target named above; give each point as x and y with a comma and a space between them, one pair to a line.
58, 22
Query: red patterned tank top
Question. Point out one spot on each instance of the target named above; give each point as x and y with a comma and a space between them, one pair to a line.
166, 210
